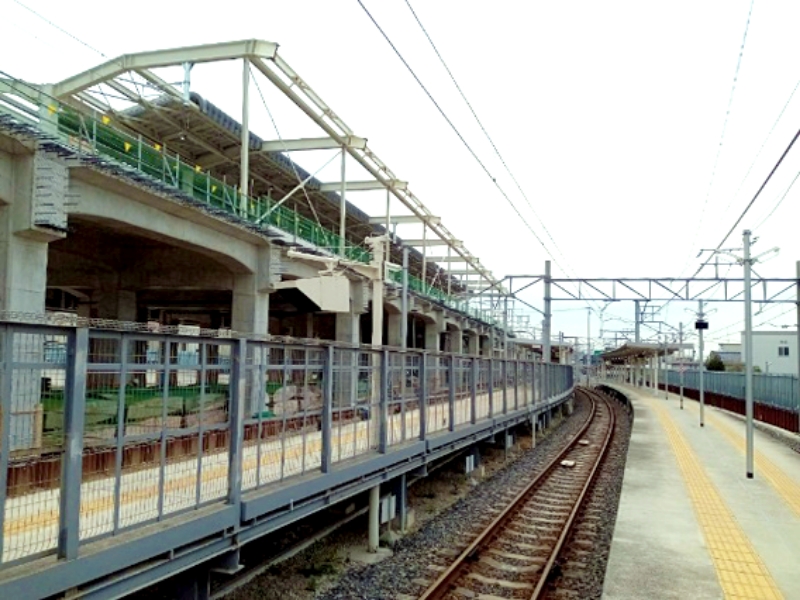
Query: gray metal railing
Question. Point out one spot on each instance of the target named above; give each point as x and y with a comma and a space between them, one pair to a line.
106, 431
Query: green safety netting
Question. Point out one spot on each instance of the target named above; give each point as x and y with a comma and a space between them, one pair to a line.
150, 158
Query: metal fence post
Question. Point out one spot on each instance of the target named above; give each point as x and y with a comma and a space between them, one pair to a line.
237, 390
423, 395
451, 396
473, 392
6, 346
490, 386
69, 516
327, 410
505, 385
516, 384
383, 439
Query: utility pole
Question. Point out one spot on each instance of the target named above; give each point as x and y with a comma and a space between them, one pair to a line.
636, 334
748, 353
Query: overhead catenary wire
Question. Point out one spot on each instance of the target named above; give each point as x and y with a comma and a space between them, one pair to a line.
61, 29
452, 125
483, 129
722, 134
779, 202
460, 136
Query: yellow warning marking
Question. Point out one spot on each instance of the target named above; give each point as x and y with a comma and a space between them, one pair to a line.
177, 482
197, 168
157, 147
739, 568
787, 488
106, 119
52, 108
128, 146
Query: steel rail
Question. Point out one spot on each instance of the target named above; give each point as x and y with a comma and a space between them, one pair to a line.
441, 587
565, 533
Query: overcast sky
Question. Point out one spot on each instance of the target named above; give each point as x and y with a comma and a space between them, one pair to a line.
609, 114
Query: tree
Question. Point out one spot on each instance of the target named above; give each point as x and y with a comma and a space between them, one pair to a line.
714, 363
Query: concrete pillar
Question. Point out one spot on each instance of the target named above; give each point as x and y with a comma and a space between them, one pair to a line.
250, 310
23, 268
374, 518
456, 341
473, 347
485, 345
394, 329
402, 502
432, 331
112, 301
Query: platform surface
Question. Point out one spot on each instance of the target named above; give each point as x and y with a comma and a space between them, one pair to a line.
690, 524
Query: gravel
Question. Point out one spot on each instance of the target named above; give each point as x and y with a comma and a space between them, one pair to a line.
395, 577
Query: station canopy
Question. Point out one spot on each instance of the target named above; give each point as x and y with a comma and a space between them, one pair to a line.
631, 351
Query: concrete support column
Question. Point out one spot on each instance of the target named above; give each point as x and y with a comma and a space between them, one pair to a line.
473, 347
394, 330
348, 330
432, 331
402, 502
456, 340
374, 518
112, 301
485, 345
250, 310
23, 268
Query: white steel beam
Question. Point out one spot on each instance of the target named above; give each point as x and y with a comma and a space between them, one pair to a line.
164, 58
324, 143
422, 243
361, 186
401, 219
448, 259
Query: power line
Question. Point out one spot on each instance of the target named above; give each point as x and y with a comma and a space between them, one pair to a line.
722, 135
763, 144
782, 198
483, 129
459, 135
61, 29
450, 123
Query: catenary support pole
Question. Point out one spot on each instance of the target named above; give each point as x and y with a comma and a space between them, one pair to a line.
546, 324
702, 367
748, 354
682, 366
588, 343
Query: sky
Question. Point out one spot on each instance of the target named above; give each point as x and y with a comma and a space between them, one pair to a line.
638, 131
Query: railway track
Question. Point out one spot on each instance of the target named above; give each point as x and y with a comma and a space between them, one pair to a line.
517, 552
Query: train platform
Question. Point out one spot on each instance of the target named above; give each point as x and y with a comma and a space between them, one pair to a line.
690, 524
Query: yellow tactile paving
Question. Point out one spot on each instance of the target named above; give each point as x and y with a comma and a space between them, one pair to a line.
787, 488
741, 572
